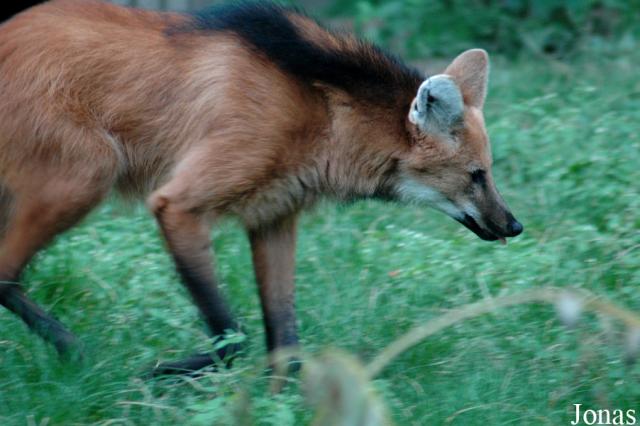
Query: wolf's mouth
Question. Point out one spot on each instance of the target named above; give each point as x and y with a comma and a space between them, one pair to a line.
483, 233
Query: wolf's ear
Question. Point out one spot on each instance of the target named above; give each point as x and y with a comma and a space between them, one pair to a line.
471, 71
438, 105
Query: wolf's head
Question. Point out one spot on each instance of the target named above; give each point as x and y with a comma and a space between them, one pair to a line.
449, 164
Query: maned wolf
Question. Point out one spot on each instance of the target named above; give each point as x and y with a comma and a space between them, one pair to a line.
251, 110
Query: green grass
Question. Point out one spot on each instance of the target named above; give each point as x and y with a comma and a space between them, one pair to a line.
567, 155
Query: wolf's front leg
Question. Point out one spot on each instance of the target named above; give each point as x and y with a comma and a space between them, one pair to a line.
273, 249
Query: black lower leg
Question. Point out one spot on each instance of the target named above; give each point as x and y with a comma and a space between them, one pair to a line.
282, 341
281, 330
43, 324
205, 294
218, 318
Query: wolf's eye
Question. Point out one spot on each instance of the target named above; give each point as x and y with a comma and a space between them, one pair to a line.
478, 177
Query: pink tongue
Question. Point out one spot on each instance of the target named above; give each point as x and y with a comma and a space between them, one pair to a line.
503, 241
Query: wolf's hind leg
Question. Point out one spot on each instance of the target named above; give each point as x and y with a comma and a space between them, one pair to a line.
187, 235
13, 298
39, 213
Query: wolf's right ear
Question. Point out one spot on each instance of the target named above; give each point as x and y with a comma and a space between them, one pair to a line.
438, 106
470, 70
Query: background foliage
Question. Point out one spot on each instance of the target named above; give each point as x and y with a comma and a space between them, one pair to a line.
563, 113
418, 28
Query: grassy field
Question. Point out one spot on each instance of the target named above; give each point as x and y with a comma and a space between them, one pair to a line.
567, 156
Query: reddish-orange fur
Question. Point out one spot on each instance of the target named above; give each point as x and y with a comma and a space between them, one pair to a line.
96, 96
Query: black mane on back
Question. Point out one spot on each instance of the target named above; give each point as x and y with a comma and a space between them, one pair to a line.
357, 67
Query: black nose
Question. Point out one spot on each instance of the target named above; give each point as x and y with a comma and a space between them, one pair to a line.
515, 228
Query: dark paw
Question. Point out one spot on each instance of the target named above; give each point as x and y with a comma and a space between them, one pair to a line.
69, 348
284, 360
280, 368
195, 364
189, 366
